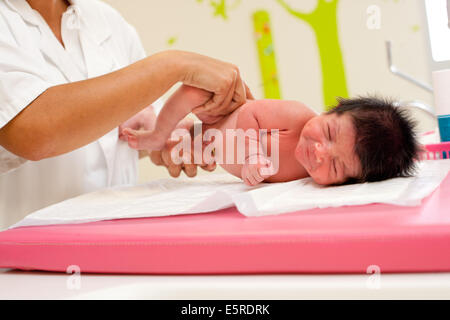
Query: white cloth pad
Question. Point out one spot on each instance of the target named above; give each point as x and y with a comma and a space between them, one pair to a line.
214, 192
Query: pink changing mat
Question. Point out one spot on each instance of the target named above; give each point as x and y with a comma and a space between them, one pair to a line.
333, 240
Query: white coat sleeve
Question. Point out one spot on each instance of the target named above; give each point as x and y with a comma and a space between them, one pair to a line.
22, 80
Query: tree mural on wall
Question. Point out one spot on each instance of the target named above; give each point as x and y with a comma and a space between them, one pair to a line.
266, 54
323, 20
264, 45
221, 7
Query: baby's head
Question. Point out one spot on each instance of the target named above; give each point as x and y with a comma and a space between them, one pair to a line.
361, 140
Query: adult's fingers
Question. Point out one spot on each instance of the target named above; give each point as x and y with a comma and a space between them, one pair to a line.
238, 99
221, 79
162, 158
240, 95
174, 169
248, 93
216, 106
190, 170
188, 166
209, 167
156, 157
166, 153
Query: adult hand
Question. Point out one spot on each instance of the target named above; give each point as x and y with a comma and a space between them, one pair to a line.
220, 78
164, 158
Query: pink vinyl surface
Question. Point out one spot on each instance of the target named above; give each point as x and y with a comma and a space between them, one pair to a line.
333, 240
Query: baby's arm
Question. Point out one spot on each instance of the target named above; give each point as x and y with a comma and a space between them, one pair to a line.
177, 107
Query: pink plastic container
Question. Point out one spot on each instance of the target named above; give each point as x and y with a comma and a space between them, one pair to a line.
436, 151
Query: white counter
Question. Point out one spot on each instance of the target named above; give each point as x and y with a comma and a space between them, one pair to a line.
45, 285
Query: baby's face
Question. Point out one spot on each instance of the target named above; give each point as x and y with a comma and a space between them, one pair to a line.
326, 149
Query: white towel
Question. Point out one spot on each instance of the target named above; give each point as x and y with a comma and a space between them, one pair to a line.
212, 192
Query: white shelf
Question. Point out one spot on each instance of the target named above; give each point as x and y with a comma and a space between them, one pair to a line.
44, 285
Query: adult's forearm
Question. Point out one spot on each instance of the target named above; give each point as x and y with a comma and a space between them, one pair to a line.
69, 116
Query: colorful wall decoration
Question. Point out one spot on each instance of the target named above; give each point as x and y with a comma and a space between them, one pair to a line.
266, 55
323, 20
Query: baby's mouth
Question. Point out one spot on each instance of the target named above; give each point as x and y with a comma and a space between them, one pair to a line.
308, 158
312, 162
304, 155
301, 154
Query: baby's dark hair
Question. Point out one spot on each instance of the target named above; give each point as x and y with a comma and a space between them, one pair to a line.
385, 141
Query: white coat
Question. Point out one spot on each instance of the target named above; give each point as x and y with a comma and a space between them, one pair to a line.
97, 41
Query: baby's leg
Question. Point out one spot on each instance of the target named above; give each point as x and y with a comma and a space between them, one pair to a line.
177, 107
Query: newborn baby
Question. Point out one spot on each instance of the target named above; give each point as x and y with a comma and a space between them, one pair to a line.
363, 139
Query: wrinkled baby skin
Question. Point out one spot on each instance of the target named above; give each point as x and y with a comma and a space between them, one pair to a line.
320, 146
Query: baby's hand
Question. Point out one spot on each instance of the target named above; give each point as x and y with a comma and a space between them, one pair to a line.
144, 139
256, 169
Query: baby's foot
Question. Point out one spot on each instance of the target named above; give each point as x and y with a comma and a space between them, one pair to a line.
144, 140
